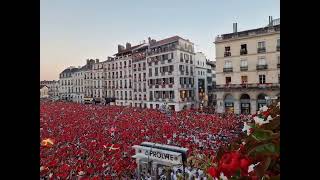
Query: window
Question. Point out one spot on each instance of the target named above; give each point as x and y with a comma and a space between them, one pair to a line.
262, 45
261, 61
181, 57
244, 79
150, 71
228, 80
243, 63
278, 42
262, 79
227, 51
156, 71
228, 64
243, 49
279, 78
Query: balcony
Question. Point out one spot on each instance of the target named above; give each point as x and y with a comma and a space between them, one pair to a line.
261, 50
262, 67
182, 86
124, 66
228, 69
150, 64
156, 86
278, 65
170, 85
169, 73
156, 63
163, 86
169, 60
139, 90
144, 79
227, 53
163, 73
243, 51
150, 86
243, 68
144, 68
278, 48
226, 87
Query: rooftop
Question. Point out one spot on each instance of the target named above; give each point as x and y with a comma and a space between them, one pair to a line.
272, 28
167, 41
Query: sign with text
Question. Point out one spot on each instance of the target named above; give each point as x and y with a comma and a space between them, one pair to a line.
157, 154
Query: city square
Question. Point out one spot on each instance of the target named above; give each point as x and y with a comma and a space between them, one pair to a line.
159, 108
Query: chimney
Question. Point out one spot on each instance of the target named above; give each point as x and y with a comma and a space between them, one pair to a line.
235, 30
120, 48
128, 45
97, 60
149, 40
270, 20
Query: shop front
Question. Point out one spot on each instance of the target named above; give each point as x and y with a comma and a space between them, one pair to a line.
229, 104
245, 104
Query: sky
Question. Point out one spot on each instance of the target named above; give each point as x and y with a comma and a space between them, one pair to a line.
72, 31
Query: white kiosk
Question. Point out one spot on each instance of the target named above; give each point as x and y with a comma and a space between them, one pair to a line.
150, 156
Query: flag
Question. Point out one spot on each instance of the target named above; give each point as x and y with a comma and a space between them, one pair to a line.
47, 142
112, 147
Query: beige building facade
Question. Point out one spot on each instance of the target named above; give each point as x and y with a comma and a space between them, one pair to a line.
248, 68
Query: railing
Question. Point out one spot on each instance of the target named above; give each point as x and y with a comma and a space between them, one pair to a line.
228, 69
261, 50
163, 73
245, 85
226, 54
156, 86
243, 68
262, 67
170, 85
243, 51
163, 85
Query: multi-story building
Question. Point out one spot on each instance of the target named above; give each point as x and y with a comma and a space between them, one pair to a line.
98, 81
119, 76
211, 79
170, 73
66, 79
53, 87
248, 68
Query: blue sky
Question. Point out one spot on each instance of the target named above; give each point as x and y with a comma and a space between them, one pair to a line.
73, 30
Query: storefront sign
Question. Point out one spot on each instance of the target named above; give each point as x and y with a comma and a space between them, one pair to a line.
157, 154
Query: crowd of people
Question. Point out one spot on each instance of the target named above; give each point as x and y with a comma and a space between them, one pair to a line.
94, 142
